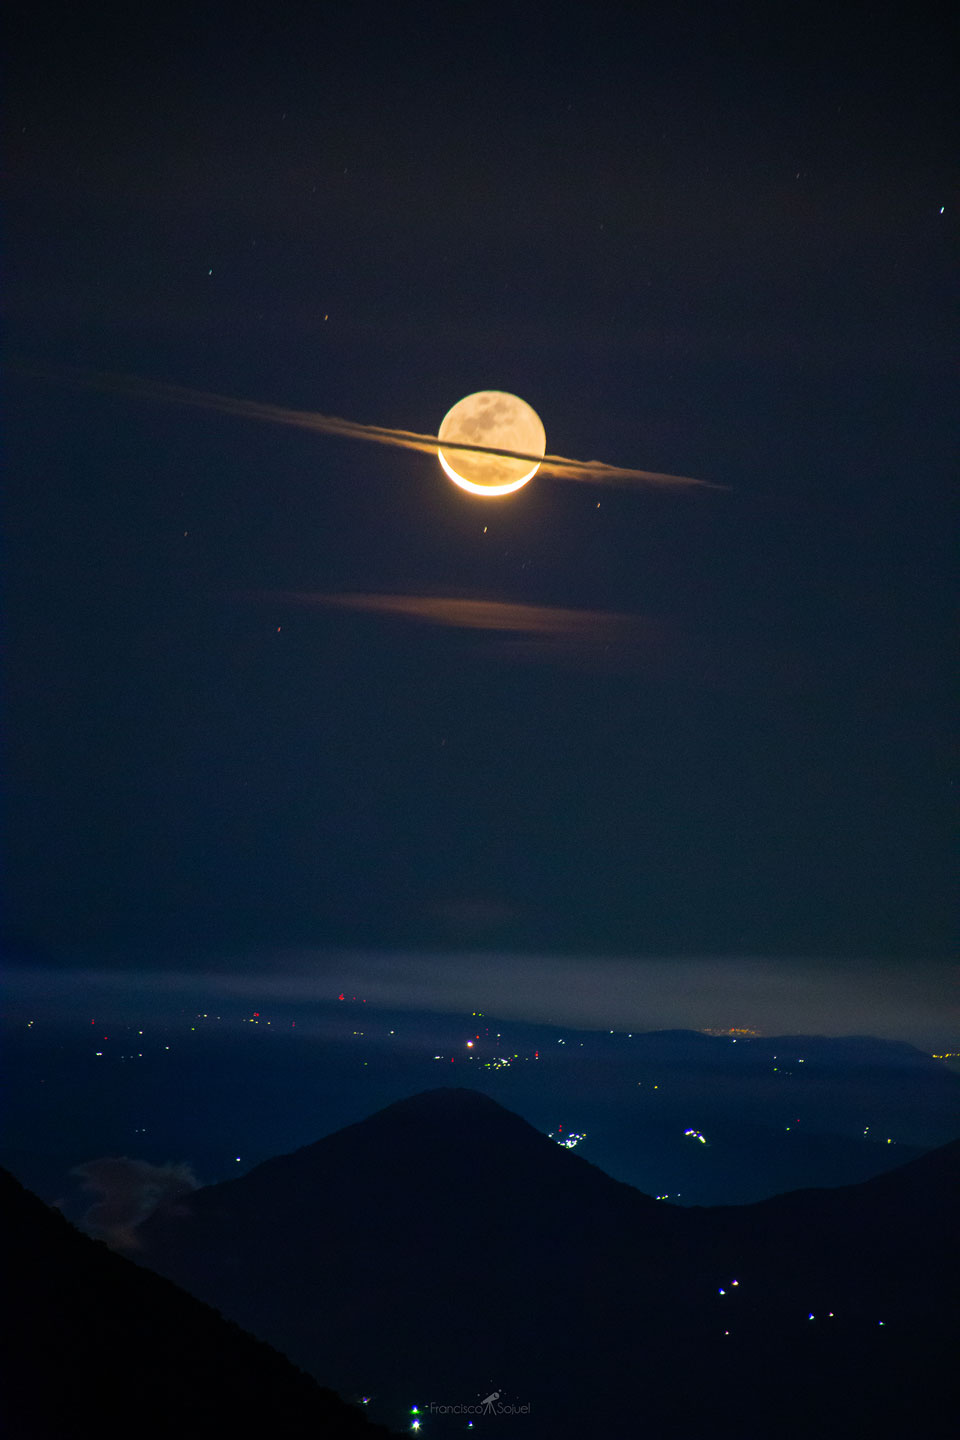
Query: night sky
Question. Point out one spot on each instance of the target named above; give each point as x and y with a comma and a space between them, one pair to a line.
251, 707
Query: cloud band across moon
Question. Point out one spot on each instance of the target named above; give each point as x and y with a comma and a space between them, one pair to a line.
596, 472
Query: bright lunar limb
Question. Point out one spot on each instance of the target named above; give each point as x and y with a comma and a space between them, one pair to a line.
499, 421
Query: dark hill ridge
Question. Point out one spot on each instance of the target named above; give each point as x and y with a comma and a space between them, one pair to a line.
480, 1147
443, 1248
882, 1250
95, 1345
443, 1226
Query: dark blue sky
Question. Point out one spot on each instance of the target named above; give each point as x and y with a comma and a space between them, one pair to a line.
709, 242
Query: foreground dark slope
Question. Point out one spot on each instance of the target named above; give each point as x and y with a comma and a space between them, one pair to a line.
95, 1345
444, 1248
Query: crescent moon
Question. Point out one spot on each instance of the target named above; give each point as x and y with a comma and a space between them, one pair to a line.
495, 419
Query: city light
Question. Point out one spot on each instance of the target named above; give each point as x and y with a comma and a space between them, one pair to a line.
570, 1141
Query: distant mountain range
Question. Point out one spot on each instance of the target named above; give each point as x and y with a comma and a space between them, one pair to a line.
776, 1113
94, 1345
444, 1250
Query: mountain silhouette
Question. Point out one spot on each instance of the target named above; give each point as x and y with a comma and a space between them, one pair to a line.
443, 1248
95, 1345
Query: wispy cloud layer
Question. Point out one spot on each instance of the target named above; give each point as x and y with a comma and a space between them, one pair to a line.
775, 996
129, 1191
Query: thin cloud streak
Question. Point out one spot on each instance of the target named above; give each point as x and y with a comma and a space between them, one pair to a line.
466, 614
593, 471
521, 632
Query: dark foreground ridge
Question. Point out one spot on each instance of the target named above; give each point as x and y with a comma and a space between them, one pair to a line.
443, 1248
95, 1345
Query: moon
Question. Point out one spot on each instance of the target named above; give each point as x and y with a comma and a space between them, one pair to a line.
497, 420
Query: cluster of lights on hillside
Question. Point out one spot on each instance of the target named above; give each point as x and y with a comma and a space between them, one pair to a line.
568, 1141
